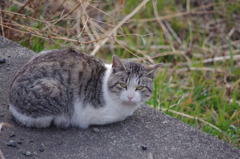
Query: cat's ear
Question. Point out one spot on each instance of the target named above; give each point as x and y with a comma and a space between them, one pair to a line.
152, 69
117, 65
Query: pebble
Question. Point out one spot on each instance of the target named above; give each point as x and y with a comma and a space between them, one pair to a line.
11, 143
19, 142
12, 134
96, 130
41, 148
2, 61
27, 153
144, 147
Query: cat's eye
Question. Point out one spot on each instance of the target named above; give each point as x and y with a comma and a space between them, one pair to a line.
123, 85
139, 87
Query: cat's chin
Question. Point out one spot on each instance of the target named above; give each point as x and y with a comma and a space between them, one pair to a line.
129, 103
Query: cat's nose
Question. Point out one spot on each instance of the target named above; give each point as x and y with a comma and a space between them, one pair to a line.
130, 98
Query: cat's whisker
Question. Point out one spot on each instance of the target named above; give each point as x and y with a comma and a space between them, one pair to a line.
116, 101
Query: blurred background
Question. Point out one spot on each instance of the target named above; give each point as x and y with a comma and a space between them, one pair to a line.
198, 42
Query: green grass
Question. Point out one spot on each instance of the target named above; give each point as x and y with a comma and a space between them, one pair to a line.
213, 96
203, 101
200, 94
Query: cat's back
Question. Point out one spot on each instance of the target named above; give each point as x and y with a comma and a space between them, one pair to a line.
68, 66
50, 83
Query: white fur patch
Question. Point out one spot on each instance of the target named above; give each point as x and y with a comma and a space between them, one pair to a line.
88, 115
46, 51
40, 122
113, 111
62, 121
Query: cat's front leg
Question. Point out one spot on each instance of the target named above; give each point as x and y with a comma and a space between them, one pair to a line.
108, 120
107, 115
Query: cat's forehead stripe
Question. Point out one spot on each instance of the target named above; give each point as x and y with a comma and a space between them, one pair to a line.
135, 70
135, 67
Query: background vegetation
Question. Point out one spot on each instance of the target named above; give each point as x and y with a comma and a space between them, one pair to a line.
198, 42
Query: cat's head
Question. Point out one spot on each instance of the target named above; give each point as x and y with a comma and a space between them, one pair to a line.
131, 83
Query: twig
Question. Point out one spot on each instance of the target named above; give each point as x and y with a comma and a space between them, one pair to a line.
22, 8
166, 32
85, 24
198, 69
126, 48
235, 43
20, 4
101, 43
209, 60
192, 12
102, 22
86, 27
55, 11
222, 58
230, 33
68, 13
145, 56
63, 38
167, 17
192, 117
216, 4
95, 33
173, 105
160, 55
97, 25
23, 16
30, 29
98, 9
174, 34
151, 47
189, 23
1, 21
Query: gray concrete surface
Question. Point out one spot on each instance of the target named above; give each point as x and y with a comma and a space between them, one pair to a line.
148, 134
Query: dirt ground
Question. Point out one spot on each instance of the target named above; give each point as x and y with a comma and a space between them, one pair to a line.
147, 134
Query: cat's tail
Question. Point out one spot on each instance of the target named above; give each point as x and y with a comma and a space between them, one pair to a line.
39, 122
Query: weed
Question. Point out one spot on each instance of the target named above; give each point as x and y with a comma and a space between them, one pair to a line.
198, 42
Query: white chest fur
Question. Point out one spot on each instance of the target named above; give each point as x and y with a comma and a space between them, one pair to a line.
88, 115
113, 111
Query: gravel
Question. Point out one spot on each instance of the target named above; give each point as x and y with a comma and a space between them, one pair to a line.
2, 61
12, 134
11, 143
27, 153
96, 130
41, 148
144, 147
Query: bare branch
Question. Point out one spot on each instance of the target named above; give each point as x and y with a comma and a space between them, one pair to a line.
101, 43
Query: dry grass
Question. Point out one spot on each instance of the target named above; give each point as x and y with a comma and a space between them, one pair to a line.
198, 41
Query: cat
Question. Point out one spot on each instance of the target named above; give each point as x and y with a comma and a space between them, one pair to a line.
70, 88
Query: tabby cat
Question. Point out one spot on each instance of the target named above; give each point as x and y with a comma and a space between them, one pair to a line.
70, 88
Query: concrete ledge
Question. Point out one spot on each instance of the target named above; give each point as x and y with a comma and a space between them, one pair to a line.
146, 135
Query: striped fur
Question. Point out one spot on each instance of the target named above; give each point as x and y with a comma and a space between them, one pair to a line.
66, 87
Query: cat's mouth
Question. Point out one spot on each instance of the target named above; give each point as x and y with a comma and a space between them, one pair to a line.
130, 103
